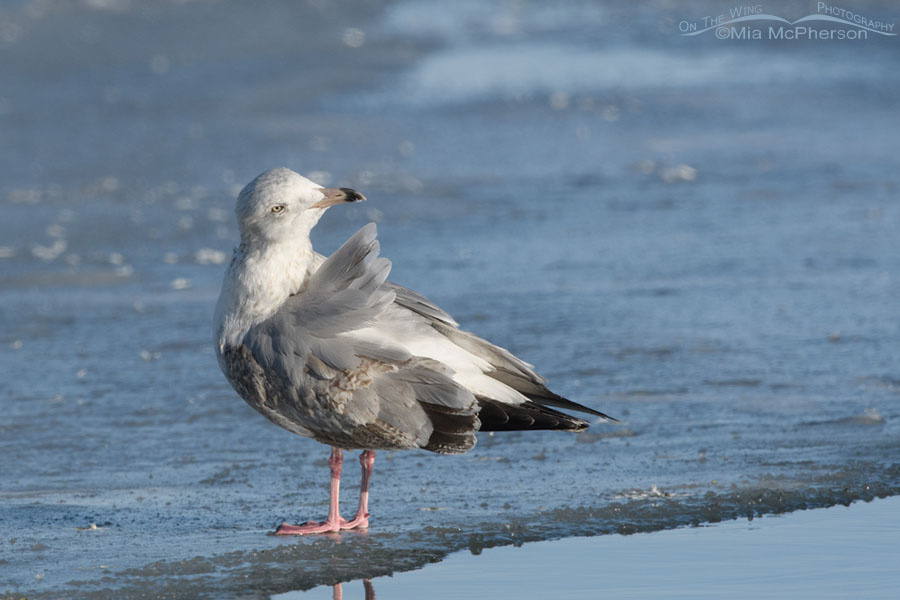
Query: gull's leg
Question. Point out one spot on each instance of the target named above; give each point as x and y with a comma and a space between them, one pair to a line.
333, 522
361, 520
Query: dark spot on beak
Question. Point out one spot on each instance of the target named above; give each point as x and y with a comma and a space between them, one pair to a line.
352, 195
335, 196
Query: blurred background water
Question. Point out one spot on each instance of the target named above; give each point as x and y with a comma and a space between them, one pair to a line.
698, 236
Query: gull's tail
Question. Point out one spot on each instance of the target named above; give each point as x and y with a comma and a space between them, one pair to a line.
533, 414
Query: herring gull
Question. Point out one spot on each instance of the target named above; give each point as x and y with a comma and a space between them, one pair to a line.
327, 348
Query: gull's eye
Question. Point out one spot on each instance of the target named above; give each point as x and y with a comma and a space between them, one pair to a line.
278, 208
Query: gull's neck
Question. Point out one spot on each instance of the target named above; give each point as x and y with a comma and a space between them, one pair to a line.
262, 275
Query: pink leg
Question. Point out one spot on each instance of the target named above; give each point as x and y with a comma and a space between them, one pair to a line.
333, 522
361, 520
337, 591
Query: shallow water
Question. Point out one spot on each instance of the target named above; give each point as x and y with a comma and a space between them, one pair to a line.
793, 556
697, 237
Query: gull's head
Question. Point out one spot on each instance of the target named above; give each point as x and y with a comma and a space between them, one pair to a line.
281, 204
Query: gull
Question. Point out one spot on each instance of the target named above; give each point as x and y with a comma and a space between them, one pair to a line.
329, 349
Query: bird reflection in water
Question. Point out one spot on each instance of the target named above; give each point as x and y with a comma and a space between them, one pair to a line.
338, 592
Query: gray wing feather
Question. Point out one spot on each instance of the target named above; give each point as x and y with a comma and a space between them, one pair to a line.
419, 304
506, 367
343, 295
353, 389
497, 357
346, 291
318, 369
386, 353
397, 400
450, 410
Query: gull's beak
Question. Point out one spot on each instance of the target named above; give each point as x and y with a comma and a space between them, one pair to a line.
338, 196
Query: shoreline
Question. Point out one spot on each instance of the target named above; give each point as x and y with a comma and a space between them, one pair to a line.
264, 564
834, 552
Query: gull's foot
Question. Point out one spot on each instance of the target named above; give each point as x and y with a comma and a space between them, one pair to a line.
308, 528
358, 522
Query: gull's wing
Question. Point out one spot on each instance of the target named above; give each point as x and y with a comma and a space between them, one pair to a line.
421, 305
496, 362
343, 295
345, 386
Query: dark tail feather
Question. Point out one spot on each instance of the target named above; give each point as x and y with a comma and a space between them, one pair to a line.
453, 430
498, 416
560, 402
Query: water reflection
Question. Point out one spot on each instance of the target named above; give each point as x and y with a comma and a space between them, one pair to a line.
338, 591
788, 556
